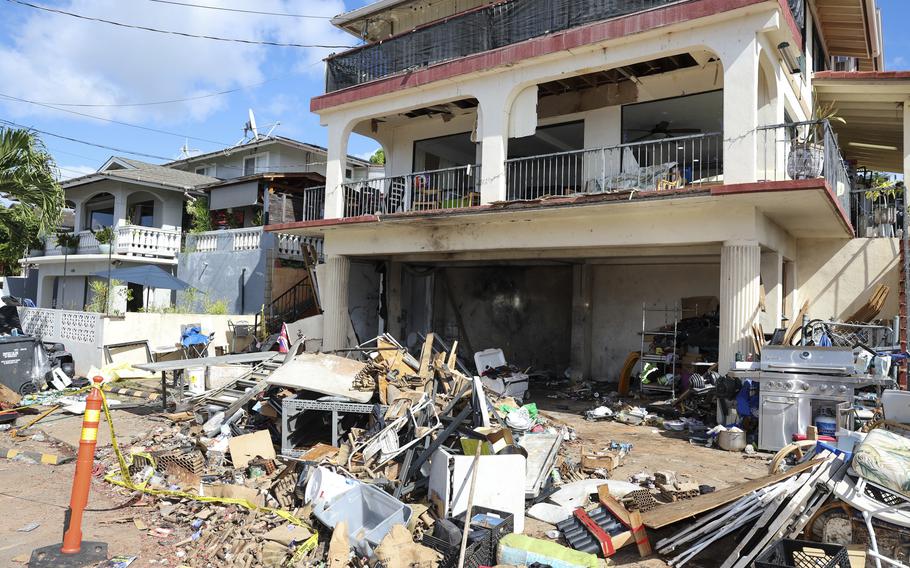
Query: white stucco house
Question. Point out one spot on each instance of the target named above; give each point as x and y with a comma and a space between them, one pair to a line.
554, 166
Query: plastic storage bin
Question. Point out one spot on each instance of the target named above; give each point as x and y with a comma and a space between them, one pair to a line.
369, 512
803, 554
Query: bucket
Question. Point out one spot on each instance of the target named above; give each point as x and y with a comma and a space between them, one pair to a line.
324, 485
195, 379
826, 425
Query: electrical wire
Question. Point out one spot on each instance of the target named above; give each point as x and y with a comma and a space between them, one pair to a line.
171, 32
101, 118
87, 143
242, 11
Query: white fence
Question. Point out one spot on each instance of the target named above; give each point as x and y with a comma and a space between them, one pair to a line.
129, 239
228, 240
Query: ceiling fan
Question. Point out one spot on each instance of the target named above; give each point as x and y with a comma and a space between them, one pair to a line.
663, 128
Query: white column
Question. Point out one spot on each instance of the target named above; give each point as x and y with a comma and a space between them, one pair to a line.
740, 62
772, 269
740, 263
120, 198
334, 291
493, 117
906, 142
336, 161
582, 287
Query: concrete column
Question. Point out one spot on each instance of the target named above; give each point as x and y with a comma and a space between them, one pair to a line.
334, 291
582, 288
334, 170
741, 69
393, 299
493, 123
772, 269
120, 198
740, 263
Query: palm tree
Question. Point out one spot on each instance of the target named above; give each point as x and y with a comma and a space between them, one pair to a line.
27, 176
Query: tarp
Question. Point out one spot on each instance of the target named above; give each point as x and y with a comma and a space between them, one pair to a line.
148, 275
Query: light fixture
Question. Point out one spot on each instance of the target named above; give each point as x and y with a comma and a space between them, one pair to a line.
872, 146
793, 62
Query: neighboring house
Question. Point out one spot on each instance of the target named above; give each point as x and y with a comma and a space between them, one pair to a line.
144, 204
551, 167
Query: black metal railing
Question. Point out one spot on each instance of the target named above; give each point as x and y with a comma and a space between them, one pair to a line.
475, 31
448, 188
803, 150
297, 302
669, 163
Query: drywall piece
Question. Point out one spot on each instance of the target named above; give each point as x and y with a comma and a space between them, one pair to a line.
576, 494
550, 513
542, 452
249, 446
500, 484
325, 374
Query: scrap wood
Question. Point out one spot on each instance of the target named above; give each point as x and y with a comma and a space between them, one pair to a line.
674, 512
873, 306
796, 324
426, 355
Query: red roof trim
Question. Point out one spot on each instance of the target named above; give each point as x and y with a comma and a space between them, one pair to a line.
553, 43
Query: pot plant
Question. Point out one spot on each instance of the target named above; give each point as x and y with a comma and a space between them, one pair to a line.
806, 159
104, 236
68, 242
36, 246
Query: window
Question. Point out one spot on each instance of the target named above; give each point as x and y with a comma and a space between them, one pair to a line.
143, 214
255, 164
206, 171
348, 173
99, 211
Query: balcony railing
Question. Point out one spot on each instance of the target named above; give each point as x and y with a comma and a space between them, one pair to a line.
803, 150
449, 188
670, 163
305, 206
229, 240
878, 212
475, 31
128, 240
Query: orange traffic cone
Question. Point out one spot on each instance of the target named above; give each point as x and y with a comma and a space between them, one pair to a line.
73, 552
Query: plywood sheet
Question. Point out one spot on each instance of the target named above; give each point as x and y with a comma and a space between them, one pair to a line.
325, 374
674, 512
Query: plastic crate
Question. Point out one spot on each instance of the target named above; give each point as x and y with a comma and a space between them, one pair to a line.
507, 526
803, 554
475, 555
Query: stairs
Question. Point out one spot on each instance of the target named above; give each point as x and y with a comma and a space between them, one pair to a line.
299, 301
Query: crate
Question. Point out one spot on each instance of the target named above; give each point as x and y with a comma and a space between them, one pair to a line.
475, 555
803, 554
507, 526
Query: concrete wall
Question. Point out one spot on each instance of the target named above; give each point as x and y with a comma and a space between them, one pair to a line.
163, 330
838, 276
21, 286
219, 275
523, 310
618, 293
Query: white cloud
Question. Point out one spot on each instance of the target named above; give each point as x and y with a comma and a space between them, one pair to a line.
74, 171
57, 58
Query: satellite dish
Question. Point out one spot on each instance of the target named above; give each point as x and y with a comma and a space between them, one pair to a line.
251, 126
186, 151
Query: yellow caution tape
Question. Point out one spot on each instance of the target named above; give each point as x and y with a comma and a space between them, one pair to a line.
122, 478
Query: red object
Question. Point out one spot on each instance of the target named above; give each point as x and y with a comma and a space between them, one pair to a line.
283, 341
801, 437
606, 543
82, 480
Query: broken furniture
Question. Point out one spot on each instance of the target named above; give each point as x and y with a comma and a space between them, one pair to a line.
293, 409
496, 375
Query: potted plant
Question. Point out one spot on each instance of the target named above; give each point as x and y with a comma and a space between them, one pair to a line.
68, 242
104, 236
806, 159
36, 246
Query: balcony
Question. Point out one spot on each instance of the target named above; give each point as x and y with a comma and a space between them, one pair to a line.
292, 247
131, 240
475, 31
449, 188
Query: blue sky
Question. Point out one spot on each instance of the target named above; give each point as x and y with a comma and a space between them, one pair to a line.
56, 59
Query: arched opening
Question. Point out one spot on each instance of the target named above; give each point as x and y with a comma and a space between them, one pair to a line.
68, 216
98, 211
142, 209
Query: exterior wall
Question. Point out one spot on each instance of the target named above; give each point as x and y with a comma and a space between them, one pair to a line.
168, 203
76, 294
838, 276
219, 273
618, 293
20, 286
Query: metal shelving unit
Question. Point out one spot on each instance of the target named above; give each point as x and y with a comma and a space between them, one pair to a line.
670, 316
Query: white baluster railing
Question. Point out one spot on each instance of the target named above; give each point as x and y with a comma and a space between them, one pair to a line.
246, 239
147, 241
88, 244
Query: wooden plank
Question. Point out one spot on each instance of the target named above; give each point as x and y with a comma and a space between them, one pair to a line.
796, 324
425, 357
674, 512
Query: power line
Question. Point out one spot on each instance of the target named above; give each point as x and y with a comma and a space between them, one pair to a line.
242, 11
177, 134
165, 102
171, 32
62, 137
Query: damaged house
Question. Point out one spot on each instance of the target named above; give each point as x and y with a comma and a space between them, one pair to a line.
561, 176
